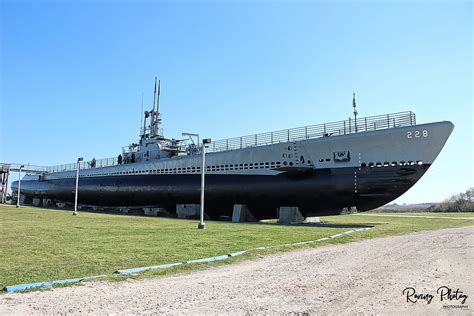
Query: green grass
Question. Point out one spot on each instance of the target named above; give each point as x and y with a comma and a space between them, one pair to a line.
45, 244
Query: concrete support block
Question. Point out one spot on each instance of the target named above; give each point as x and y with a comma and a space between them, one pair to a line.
189, 211
123, 210
36, 202
312, 220
26, 200
290, 215
241, 213
47, 202
153, 211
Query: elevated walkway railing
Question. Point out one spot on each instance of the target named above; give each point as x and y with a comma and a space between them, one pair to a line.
15, 167
104, 162
349, 126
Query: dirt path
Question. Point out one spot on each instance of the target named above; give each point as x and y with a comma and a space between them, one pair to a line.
361, 277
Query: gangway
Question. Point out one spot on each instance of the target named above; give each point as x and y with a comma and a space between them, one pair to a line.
15, 167
4, 173
6, 168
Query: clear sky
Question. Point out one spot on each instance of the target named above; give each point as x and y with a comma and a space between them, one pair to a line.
72, 75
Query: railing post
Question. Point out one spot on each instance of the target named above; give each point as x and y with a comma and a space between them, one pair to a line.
256, 142
288, 135
306, 132
366, 124
375, 126
388, 121
241, 142
350, 127
227, 144
271, 137
344, 127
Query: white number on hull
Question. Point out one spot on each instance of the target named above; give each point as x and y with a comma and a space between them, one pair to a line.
417, 134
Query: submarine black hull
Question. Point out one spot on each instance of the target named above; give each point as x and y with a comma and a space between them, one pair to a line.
315, 192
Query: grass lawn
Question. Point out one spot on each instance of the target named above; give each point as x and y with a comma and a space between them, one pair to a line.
46, 244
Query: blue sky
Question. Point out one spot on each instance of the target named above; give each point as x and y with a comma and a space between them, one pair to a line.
72, 75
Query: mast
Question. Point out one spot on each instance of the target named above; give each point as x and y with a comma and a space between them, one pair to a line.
158, 120
153, 114
154, 97
153, 127
158, 98
142, 134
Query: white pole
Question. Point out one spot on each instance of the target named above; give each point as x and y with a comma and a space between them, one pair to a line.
77, 185
201, 224
19, 187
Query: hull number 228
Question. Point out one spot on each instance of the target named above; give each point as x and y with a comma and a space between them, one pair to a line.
417, 134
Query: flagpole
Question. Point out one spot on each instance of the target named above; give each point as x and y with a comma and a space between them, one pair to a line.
355, 110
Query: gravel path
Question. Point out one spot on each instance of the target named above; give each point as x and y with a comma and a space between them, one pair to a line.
361, 277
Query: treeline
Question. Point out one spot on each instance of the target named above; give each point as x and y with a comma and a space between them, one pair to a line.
462, 202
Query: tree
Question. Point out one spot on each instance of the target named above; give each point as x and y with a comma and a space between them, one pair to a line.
462, 202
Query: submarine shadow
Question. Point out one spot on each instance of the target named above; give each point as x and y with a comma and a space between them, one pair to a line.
318, 225
114, 211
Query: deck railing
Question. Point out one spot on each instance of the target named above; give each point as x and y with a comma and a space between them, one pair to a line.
104, 162
345, 127
314, 131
